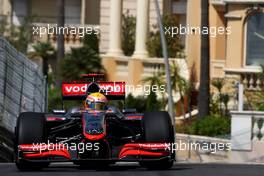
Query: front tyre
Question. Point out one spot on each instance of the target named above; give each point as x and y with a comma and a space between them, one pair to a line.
157, 127
30, 129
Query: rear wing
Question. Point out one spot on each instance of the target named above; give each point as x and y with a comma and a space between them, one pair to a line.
79, 91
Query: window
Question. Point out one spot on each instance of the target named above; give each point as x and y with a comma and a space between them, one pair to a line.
255, 40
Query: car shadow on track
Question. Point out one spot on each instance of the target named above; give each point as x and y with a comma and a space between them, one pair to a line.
115, 168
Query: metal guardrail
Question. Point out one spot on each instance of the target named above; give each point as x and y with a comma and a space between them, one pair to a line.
211, 153
22, 86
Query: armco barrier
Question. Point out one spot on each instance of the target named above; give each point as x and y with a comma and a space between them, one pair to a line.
22, 88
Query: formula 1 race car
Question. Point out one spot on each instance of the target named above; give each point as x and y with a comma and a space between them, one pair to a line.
93, 137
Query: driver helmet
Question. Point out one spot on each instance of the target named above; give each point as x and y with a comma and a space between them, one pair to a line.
96, 101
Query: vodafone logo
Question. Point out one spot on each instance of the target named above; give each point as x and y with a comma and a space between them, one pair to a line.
76, 88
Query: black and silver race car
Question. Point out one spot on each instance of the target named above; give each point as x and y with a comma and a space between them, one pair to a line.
88, 138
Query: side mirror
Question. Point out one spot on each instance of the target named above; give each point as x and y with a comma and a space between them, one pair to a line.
129, 111
58, 111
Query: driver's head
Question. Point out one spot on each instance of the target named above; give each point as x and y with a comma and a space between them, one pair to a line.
96, 101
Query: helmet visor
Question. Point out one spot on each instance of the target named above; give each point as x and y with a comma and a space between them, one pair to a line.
97, 106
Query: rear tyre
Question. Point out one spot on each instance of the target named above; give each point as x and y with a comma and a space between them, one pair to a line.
157, 127
30, 129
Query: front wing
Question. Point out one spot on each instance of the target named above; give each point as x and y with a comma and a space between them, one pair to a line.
127, 152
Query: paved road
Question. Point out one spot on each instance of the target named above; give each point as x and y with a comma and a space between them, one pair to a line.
133, 169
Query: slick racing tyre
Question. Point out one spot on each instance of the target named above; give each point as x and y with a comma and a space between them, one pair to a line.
30, 129
157, 127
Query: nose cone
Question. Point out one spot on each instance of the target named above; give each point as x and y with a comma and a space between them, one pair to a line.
94, 125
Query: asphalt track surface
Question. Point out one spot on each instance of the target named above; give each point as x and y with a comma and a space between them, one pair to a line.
133, 169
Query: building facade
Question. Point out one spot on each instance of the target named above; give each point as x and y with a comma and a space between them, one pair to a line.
236, 56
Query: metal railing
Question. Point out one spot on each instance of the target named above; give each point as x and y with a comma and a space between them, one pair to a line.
22, 88
189, 151
22, 85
